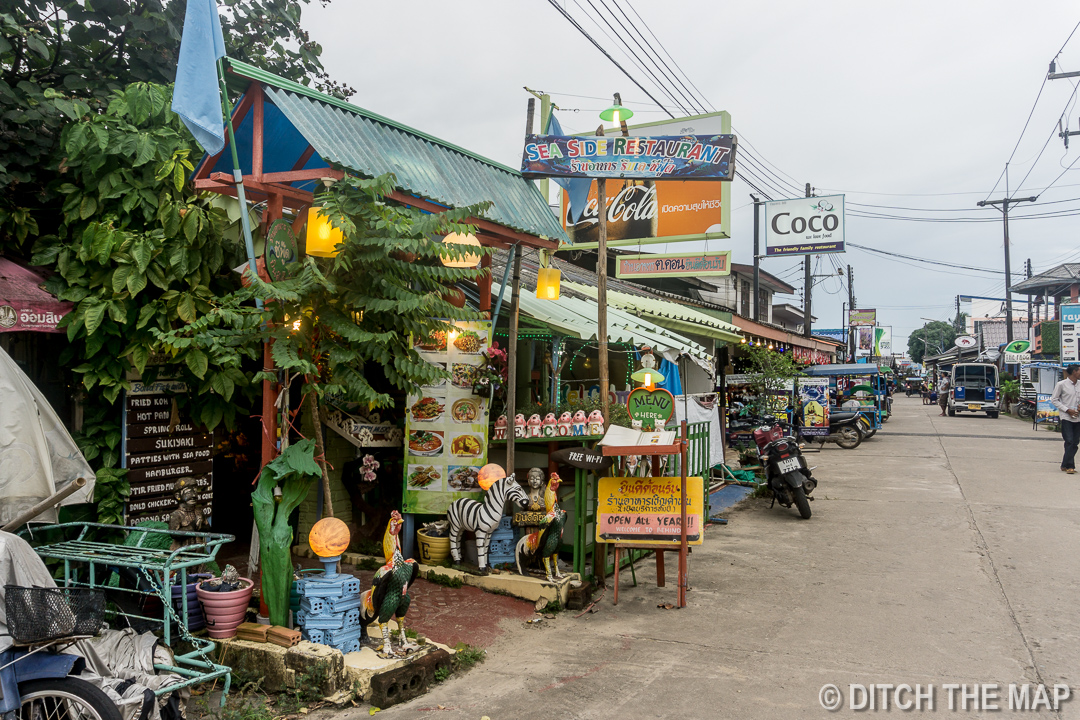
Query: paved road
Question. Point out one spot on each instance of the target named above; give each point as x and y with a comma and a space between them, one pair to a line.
944, 550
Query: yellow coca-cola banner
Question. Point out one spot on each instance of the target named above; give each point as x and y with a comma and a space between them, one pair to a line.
655, 210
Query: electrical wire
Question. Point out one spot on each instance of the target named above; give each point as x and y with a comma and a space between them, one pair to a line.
673, 62
605, 53
923, 260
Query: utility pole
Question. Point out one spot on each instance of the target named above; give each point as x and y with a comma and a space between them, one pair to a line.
757, 257
1004, 203
808, 282
515, 312
851, 306
1029, 300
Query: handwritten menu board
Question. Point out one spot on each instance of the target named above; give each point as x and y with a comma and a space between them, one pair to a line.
446, 426
159, 449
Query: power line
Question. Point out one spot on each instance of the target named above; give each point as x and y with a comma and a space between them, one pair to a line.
1065, 110
1024, 130
923, 260
630, 54
676, 64
606, 54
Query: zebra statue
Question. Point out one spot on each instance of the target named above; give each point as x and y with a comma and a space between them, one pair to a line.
482, 518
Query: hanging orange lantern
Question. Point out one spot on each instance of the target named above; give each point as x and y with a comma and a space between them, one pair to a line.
547, 283
329, 537
489, 474
322, 237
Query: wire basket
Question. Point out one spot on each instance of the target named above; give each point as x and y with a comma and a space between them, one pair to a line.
38, 614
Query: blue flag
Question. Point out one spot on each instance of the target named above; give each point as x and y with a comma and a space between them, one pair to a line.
197, 95
577, 189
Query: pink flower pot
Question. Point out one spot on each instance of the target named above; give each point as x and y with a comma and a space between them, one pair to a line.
225, 611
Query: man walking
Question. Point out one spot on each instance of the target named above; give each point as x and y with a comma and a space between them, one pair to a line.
943, 394
1066, 399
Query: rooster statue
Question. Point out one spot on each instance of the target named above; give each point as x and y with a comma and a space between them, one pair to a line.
544, 543
389, 593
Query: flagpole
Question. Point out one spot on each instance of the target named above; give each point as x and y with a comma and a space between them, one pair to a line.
238, 176
269, 404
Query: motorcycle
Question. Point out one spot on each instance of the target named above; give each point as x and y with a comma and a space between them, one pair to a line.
845, 429
37, 678
786, 472
1025, 408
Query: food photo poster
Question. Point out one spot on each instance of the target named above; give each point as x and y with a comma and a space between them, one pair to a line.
446, 425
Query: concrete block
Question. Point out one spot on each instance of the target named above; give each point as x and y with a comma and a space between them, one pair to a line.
398, 685
317, 663
521, 586
258, 660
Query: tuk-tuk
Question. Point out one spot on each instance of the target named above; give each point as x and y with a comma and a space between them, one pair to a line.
913, 385
856, 386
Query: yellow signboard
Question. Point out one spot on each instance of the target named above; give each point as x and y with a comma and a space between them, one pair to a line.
646, 511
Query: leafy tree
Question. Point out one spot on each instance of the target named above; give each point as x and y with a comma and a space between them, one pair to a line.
932, 338
138, 253
770, 375
346, 324
60, 59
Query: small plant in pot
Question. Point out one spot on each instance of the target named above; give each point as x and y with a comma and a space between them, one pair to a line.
225, 601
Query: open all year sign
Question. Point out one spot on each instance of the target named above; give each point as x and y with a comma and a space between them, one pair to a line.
646, 511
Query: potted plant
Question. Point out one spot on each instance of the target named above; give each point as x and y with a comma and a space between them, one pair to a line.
224, 608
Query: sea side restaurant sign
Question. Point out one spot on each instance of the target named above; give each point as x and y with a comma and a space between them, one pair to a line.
680, 265
689, 157
805, 226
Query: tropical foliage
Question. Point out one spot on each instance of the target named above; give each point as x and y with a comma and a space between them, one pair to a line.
932, 338
62, 58
770, 374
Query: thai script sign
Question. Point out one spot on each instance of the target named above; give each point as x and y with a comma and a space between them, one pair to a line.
681, 265
689, 157
648, 511
862, 317
805, 226
14, 319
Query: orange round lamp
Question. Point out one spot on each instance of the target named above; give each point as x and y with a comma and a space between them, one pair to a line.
489, 474
322, 237
329, 537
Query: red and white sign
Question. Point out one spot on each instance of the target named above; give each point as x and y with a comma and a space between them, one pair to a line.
24, 304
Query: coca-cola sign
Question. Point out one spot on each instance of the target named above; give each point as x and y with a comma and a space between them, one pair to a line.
642, 209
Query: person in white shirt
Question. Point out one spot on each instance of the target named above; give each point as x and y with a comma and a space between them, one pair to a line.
1066, 399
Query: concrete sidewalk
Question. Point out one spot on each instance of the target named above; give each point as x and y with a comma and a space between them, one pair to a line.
935, 555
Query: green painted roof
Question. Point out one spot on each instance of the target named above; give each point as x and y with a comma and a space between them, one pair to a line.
666, 313
424, 165
576, 317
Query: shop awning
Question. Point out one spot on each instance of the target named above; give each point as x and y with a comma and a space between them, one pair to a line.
298, 132
576, 317
24, 304
666, 314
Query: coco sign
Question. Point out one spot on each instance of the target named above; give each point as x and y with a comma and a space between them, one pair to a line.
652, 408
805, 226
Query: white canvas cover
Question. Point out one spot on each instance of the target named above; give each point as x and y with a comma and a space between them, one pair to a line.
37, 455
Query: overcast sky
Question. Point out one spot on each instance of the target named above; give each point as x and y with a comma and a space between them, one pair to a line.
913, 105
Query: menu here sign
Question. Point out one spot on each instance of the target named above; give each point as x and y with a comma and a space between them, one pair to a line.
161, 448
648, 511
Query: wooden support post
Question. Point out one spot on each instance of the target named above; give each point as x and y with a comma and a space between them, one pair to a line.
683, 549
512, 350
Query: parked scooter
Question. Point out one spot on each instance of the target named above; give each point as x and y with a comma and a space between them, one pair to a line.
845, 429
786, 471
1025, 408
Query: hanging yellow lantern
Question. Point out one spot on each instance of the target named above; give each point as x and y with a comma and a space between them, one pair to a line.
322, 237
469, 259
547, 283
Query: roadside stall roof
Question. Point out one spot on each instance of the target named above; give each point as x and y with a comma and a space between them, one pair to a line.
289, 136
576, 317
666, 313
844, 369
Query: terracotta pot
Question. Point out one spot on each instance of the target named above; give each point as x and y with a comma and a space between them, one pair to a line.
225, 611
455, 297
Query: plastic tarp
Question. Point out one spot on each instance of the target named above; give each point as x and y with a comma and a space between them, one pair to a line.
37, 455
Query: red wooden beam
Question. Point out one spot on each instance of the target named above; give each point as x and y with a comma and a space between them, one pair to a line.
239, 113
257, 134
304, 158
289, 176
505, 233
257, 192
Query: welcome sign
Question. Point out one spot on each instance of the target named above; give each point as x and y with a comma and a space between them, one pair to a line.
688, 157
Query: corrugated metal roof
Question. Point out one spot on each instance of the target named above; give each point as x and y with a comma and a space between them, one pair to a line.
577, 317
666, 313
424, 165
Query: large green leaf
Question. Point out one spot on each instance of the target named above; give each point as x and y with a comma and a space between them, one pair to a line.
93, 317
197, 361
